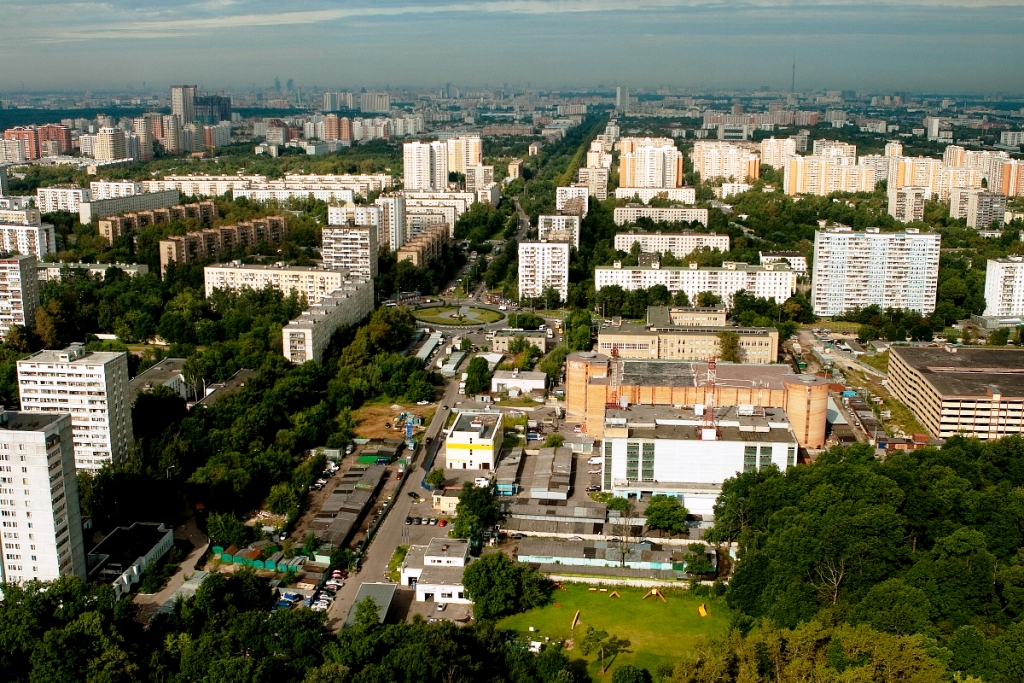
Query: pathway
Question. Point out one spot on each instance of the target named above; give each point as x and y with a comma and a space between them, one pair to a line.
149, 604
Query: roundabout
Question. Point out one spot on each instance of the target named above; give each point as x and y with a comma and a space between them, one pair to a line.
467, 316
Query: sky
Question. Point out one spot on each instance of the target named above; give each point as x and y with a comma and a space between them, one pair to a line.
974, 46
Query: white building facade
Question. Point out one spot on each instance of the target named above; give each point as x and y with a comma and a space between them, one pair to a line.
1004, 287
624, 215
770, 281
307, 337
19, 292
351, 248
559, 229
679, 243
543, 265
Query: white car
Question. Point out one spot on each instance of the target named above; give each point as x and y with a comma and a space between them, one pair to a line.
441, 606
422, 403
594, 472
594, 461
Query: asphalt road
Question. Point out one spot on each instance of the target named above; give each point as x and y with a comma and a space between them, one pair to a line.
391, 534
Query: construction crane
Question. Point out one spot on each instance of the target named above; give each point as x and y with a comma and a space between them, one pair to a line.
709, 430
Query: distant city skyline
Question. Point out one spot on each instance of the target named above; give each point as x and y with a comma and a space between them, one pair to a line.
926, 45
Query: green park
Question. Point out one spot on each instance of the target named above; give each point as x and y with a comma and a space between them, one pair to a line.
646, 632
455, 315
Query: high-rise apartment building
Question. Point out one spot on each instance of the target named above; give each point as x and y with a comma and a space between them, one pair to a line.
543, 265
40, 512
375, 102
110, 145
906, 204
93, 387
26, 235
775, 152
392, 221
578, 195
478, 177
19, 291
354, 214
823, 175
183, 103
979, 207
425, 166
559, 229
50, 199
622, 99
212, 109
351, 248
463, 152
173, 140
833, 148
678, 243
652, 165
714, 159
596, 181
1004, 287
1008, 177
888, 269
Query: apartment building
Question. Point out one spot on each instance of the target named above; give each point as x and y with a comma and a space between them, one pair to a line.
596, 181
42, 524
679, 243
716, 160
375, 102
464, 152
424, 246
93, 387
31, 140
478, 177
888, 269
283, 190
391, 231
38, 240
1012, 138
686, 195
823, 175
775, 151
425, 166
543, 265
772, 281
1008, 177
979, 207
474, 441
631, 213
559, 229
314, 283
353, 214
351, 248
47, 272
110, 145
576, 197
922, 172
110, 189
212, 242
112, 227
50, 199
598, 156
833, 148
794, 259
906, 204
308, 336
14, 211
93, 210
515, 168
1004, 287
19, 292
652, 163
183, 102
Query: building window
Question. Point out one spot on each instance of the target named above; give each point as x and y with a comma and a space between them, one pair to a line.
607, 465
632, 461
766, 457
791, 456
750, 459
648, 462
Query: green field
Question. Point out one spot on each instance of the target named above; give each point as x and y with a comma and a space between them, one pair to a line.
658, 632
442, 316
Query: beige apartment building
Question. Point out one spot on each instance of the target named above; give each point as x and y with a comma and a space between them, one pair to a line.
425, 245
313, 282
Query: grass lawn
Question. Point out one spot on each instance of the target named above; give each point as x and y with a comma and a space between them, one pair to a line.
658, 632
395, 564
441, 316
879, 361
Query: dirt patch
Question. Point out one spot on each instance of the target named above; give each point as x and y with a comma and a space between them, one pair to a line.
370, 419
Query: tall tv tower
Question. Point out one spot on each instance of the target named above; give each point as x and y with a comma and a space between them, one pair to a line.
792, 84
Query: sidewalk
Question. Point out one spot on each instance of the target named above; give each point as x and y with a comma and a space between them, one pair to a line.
149, 604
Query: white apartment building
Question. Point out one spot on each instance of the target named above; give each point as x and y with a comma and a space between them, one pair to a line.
775, 151
392, 221
38, 240
598, 156
724, 160
833, 148
478, 177
351, 248
596, 181
307, 337
375, 102
543, 265
94, 210
282, 191
93, 387
877, 163
109, 189
19, 292
312, 282
50, 199
203, 185
772, 281
425, 166
823, 175
652, 164
796, 261
559, 229
17, 213
464, 152
40, 513
1004, 287
860, 269
449, 204
686, 195
1013, 138
906, 204
354, 214
565, 195
624, 215
679, 243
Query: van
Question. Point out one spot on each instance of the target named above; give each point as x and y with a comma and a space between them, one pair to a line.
382, 461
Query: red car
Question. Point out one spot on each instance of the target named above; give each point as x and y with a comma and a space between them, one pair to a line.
442, 522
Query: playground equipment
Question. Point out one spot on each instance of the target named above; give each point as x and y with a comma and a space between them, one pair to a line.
656, 593
575, 620
703, 610
614, 594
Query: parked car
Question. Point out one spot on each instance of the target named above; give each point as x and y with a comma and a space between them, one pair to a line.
413, 494
442, 522
593, 487
594, 472
441, 606
282, 604
433, 521
408, 520
518, 535
425, 520
417, 520
593, 461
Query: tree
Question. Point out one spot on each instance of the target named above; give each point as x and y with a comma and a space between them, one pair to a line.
999, 337
627, 673
478, 377
606, 645
554, 441
666, 513
310, 544
435, 478
697, 561
681, 299
475, 512
283, 500
866, 333
729, 347
499, 586
708, 300
226, 529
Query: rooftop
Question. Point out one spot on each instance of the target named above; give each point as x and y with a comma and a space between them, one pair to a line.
434, 575
27, 422
677, 374
969, 371
727, 265
156, 376
380, 593
123, 546
279, 266
447, 547
75, 354
513, 332
216, 392
512, 374
484, 424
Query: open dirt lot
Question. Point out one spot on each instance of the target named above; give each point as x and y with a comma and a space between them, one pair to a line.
370, 419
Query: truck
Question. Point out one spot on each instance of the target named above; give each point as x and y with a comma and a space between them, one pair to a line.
462, 388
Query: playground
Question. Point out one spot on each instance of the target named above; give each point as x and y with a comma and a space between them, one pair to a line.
462, 315
657, 630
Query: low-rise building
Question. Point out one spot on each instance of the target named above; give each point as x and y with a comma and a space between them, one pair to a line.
796, 261
678, 243
514, 381
112, 227
56, 271
757, 345
673, 451
126, 553
502, 339
772, 281
212, 242
972, 392
313, 282
307, 337
474, 441
167, 373
631, 213
435, 570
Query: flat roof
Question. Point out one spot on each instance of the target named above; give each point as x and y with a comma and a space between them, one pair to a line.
85, 357
447, 547
671, 328
156, 376
682, 374
969, 371
515, 332
512, 374
124, 545
233, 384
485, 424
380, 593
434, 575
15, 420
280, 267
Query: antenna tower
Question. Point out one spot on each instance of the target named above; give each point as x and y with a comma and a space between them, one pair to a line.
792, 85
709, 430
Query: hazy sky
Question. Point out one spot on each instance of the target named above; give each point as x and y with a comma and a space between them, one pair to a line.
921, 45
